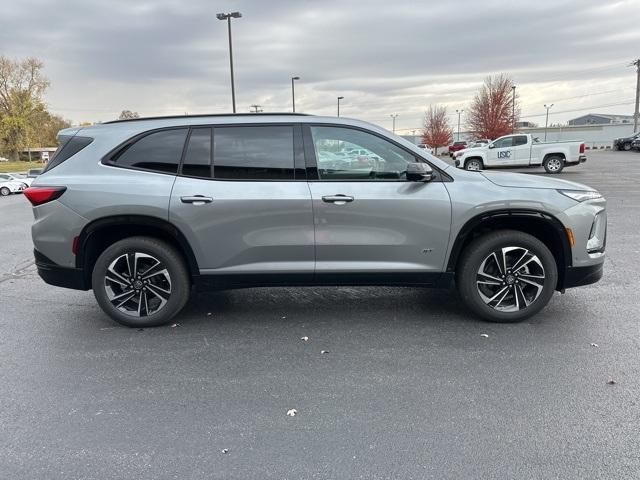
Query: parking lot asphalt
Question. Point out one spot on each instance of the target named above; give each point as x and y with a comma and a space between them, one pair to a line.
409, 389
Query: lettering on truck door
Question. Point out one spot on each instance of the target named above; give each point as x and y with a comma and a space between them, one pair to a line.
502, 152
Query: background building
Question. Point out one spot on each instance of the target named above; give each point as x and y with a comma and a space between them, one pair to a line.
600, 119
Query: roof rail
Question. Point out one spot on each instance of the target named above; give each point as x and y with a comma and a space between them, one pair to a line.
200, 115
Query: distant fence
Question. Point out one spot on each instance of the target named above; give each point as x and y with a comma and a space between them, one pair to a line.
594, 136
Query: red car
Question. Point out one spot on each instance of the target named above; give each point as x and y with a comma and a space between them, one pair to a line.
459, 145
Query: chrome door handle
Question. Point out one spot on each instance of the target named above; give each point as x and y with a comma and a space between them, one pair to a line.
196, 199
337, 199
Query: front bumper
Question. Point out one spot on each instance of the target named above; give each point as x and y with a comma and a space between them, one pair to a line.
578, 276
53, 274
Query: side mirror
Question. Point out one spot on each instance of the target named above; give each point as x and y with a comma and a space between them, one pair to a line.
419, 172
491, 145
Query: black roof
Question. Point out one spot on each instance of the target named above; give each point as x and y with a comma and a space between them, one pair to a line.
200, 115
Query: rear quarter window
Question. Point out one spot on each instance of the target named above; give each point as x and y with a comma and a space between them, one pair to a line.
158, 151
69, 146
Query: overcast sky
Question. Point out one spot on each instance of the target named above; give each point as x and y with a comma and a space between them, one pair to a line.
384, 56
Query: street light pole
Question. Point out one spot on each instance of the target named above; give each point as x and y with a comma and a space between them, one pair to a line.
228, 17
394, 116
459, 112
513, 110
546, 122
293, 93
339, 98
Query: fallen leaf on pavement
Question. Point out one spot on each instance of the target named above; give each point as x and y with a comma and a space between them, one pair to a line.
324, 351
292, 412
594, 345
225, 450
304, 339
484, 335
611, 381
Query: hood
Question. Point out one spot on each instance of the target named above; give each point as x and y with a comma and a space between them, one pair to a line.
524, 180
473, 149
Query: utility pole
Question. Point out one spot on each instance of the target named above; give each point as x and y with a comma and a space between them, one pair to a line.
228, 17
546, 122
293, 93
256, 108
394, 116
513, 110
459, 112
339, 98
636, 114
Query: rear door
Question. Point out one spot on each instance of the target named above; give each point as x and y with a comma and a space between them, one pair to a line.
521, 150
249, 210
369, 220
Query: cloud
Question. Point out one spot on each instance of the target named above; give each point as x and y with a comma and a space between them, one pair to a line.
162, 57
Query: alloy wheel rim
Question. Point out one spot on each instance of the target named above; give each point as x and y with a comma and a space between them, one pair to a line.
554, 164
473, 166
137, 284
510, 279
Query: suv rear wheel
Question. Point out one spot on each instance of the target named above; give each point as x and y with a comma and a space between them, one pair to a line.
140, 282
506, 276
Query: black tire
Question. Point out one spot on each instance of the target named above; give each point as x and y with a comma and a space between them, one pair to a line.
473, 165
553, 164
627, 146
4, 191
178, 282
472, 259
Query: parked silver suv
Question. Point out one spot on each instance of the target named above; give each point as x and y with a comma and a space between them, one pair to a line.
143, 210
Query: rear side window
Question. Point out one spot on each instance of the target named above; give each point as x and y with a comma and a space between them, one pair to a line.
520, 140
197, 158
69, 146
253, 153
158, 152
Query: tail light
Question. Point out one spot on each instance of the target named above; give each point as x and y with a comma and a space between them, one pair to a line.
582, 148
40, 195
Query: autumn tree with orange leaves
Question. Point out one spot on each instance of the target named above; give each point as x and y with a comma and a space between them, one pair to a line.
437, 132
491, 112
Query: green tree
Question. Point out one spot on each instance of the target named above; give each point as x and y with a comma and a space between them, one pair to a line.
22, 86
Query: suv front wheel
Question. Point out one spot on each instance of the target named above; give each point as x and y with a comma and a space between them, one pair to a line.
506, 276
140, 282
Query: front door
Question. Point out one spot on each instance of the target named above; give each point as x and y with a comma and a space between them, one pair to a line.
249, 212
368, 218
501, 152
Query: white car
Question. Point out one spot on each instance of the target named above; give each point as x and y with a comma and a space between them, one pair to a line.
522, 150
7, 188
15, 177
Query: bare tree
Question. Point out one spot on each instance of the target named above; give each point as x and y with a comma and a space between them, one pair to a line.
22, 86
128, 114
437, 132
491, 112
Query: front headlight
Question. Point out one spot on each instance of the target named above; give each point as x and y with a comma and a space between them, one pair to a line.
581, 195
598, 233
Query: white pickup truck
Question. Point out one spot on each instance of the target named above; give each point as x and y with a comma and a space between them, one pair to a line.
521, 150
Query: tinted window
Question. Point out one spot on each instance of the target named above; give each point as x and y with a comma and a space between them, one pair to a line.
197, 158
158, 151
349, 154
253, 153
69, 146
520, 140
504, 142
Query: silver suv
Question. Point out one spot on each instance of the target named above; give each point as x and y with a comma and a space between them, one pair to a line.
142, 211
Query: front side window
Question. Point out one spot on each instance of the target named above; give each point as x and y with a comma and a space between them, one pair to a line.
159, 151
503, 142
349, 154
253, 153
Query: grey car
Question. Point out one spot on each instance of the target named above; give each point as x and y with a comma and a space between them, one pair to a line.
144, 211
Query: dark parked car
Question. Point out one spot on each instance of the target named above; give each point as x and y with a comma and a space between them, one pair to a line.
636, 144
459, 145
625, 143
